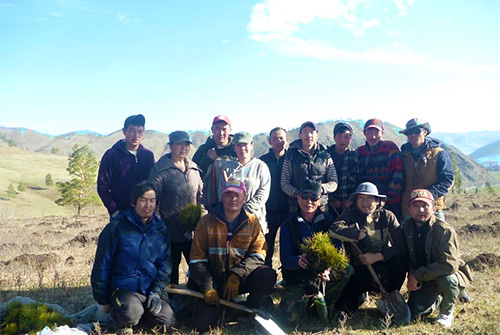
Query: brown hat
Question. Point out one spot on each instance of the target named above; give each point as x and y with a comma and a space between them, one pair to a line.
221, 118
421, 194
374, 123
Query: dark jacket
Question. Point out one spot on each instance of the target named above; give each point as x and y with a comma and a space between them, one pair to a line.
431, 170
217, 250
278, 200
119, 172
175, 190
293, 232
381, 226
131, 255
225, 153
442, 252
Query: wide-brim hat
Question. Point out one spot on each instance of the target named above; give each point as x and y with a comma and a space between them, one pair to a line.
368, 189
416, 123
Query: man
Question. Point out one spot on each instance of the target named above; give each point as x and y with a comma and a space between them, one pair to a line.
383, 164
308, 220
426, 165
350, 172
436, 270
132, 265
211, 155
277, 203
307, 159
127, 163
251, 171
227, 257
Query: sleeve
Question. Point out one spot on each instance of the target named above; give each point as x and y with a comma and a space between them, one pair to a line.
331, 178
157, 179
445, 260
198, 263
201, 158
288, 260
396, 171
359, 168
258, 201
445, 175
397, 245
163, 266
342, 230
101, 271
104, 180
286, 180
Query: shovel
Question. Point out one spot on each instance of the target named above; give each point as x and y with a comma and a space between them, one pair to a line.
392, 304
264, 319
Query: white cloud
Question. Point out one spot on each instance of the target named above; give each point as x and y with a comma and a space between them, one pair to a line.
122, 18
56, 14
224, 41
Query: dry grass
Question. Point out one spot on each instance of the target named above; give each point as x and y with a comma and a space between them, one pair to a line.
50, 259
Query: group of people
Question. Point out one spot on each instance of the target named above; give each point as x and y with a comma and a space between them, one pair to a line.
358, 196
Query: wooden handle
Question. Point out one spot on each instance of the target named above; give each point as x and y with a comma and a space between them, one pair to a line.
370, 268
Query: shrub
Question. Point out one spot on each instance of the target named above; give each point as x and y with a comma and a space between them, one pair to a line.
322, 254
30, 318
21, 187
189, 216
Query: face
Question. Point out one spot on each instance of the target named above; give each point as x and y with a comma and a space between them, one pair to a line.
233, 201
278, 140
343, 140
421, 211
416, 137
221, 132
309, 205
145, 205
180, 150
243, 151
308, 136
373, 135
366, 203
133, 136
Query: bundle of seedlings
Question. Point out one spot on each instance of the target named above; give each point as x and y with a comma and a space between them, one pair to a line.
189, 216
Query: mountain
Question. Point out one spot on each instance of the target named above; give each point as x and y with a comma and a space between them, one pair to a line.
472, 173
469, 142
488, 156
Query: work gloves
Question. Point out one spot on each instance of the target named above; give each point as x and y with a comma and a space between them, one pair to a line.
154, 303
232, 286
365, 244
211, 297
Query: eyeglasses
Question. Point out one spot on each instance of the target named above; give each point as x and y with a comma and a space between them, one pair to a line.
307, 196
416, 131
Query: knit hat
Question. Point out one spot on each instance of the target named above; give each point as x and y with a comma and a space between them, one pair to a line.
416, 123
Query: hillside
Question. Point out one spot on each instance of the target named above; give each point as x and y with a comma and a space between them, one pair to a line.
488, 154
468, 142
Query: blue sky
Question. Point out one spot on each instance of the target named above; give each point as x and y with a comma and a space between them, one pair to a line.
72, 65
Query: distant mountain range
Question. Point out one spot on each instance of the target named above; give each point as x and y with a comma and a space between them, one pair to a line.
472, 173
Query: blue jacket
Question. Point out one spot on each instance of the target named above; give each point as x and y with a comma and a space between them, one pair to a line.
131, 255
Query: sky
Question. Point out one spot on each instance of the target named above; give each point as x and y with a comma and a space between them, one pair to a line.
70, 65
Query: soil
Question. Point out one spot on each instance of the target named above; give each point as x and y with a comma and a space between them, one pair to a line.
493, 229
484, 261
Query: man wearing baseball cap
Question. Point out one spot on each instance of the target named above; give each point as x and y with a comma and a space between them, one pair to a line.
227, 257
426, 164
211, 155
437, 273
123, 166
383, 164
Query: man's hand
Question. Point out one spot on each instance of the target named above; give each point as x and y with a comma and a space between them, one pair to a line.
365, 243
303, 263
104, 308
412, 284
211, 297
212, 154
154, 303
232, 286
370, 258
325, 275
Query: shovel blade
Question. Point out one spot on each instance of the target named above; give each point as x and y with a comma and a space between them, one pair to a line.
393, 305
269, 325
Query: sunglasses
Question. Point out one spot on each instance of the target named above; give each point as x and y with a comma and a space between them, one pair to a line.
307, 196
416, 131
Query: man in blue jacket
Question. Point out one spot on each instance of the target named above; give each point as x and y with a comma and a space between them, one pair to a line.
132, 265
124, 165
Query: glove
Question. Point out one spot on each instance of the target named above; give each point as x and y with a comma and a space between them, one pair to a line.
211, 297
365, 244
104, 308
154, 303
232, 286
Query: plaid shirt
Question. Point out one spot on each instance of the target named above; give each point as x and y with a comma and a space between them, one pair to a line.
351, 173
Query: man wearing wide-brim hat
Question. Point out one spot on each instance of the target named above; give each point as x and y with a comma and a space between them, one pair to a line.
426, 165
378, 235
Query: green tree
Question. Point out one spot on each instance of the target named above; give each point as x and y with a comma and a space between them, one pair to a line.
489, 188
11, 143
11, 190
457, 185
21, 187
55, 150
80, 191
48, 180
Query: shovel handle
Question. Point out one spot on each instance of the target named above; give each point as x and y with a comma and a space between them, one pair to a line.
372, 271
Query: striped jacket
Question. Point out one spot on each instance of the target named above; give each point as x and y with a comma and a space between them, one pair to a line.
215, 252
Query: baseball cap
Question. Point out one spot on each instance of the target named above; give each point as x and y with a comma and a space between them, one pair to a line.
221, 118
178, 136
136, 120
309, 124
310, 186
421, 194
242, 137
234, 185
374, 123
341, 127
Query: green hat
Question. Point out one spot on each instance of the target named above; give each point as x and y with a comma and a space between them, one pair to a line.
243, 137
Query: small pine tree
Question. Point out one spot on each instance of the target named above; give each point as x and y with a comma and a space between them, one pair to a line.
489, 188
457, 185
55, 150
48, 180
11, 143
11, 190
21, 187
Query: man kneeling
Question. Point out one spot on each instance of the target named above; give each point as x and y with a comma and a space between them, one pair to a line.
132, 265
437, 274
227, 257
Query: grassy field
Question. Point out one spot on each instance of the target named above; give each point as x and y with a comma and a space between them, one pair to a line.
49, 259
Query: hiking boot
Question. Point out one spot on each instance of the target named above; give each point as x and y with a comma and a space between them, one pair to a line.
125, 331
445, 320
464, 297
